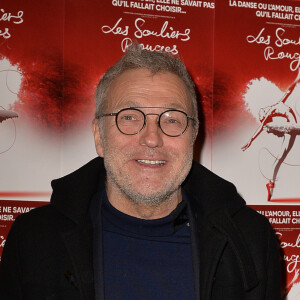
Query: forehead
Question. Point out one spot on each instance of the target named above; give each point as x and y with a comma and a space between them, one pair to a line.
140, 87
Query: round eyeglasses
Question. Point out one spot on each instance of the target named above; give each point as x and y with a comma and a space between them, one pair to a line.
132, 120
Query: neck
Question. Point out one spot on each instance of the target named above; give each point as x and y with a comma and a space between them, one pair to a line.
143, 211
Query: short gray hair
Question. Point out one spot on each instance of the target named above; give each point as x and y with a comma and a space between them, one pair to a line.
137, 58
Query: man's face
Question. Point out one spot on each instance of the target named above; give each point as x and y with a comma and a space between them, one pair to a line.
148, 167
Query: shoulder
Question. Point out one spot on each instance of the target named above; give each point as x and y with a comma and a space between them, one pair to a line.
218, 202
40, 220
255, 228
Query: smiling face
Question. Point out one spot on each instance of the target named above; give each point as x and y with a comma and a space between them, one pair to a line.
149, 167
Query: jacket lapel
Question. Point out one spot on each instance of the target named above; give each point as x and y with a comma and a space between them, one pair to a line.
211, 249
223, 222
207, 248
78, 242
71, 197
210, 236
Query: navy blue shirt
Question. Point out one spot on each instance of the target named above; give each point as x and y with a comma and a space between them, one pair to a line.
146, 259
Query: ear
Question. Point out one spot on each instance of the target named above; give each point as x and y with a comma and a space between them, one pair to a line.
195, 133
97, 137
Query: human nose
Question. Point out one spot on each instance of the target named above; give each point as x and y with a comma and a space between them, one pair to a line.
151, 135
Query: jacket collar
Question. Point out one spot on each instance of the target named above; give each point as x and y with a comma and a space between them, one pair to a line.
213, 205
72, 193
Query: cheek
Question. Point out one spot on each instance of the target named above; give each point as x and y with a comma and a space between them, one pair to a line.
118, 144
184, 144
181, 154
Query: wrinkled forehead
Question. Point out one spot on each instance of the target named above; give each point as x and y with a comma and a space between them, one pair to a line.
140, 87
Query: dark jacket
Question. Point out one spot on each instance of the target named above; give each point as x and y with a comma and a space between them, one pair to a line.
48, 253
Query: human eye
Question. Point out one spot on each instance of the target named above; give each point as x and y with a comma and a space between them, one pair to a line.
172, 118
130, 117
173, 121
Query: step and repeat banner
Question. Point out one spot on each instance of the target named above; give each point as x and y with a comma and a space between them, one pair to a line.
257, 92
243, 55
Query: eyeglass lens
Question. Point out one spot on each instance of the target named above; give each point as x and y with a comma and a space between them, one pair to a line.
131, 121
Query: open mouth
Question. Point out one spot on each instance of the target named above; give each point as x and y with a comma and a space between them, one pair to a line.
151, 162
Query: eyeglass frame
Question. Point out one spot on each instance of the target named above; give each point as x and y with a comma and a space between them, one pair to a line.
115, 114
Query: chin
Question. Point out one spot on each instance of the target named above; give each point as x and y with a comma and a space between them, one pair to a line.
151, 198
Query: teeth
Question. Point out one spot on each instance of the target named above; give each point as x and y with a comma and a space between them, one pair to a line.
151, 162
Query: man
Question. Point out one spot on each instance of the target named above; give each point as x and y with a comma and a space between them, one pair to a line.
142, 221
